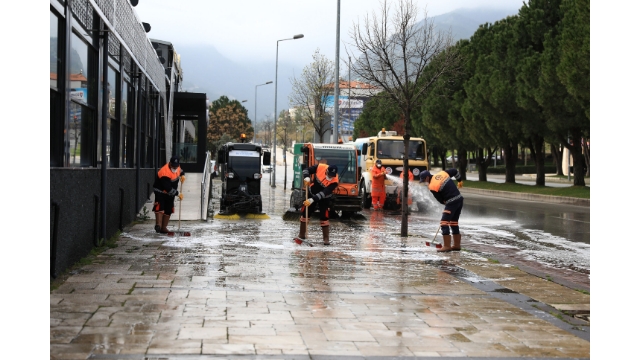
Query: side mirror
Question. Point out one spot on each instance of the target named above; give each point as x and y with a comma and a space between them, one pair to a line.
220, 157
266, 158
364, 148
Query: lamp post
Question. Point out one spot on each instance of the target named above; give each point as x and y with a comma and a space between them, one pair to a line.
255, 106
275, 112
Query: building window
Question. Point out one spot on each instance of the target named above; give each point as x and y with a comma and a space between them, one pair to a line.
55, 130
113, 123
127, 125
80, 127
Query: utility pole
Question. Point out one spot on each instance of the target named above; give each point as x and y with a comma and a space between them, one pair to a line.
336, 88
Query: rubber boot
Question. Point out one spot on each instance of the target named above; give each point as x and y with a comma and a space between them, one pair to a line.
158, 222
325, 235
303, 230
165, 223
446, 244
456, 242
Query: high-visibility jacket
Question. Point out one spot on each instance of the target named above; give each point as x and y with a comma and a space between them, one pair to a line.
443, 188
321, 186
167, 181
377, 180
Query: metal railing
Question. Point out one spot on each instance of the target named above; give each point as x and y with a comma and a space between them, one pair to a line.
204, 185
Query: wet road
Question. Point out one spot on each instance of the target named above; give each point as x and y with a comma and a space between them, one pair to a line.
549, 240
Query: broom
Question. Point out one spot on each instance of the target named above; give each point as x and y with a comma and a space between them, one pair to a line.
178, 232
306, 228
434, 243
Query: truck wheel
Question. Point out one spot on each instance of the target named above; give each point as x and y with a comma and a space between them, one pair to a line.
422, 206
366, 198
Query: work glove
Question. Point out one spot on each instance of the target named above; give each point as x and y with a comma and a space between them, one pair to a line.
180, 196
308, 202
459, 184
307, 181
182, 178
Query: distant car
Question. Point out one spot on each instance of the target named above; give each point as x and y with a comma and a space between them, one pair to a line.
454, 157
267, 168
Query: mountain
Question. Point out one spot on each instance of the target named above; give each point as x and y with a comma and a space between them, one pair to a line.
465, 22
207, 70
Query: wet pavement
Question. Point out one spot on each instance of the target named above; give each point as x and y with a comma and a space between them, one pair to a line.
242, 288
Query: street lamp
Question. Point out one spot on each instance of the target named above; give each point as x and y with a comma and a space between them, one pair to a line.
275, 113
255, 108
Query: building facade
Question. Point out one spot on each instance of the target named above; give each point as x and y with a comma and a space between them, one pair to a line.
111, 126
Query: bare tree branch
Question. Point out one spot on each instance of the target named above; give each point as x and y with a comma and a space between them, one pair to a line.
310, 92
394, 51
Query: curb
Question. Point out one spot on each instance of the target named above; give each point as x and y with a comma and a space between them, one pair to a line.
530, 197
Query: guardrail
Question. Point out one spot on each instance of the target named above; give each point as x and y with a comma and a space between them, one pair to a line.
204, 185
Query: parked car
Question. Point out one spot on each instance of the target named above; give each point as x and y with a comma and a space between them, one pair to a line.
449, 159
267, 168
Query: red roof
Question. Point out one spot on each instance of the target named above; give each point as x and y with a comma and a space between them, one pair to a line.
343, 84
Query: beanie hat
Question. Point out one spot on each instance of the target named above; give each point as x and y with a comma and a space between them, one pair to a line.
424, 175
332, 170
174, 162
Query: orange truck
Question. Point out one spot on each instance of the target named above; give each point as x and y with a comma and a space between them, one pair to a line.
346, 200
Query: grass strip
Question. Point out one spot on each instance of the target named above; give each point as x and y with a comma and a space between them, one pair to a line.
582, 192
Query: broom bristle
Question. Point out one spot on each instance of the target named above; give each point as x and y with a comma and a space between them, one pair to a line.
257, 216
227, 217
291, 215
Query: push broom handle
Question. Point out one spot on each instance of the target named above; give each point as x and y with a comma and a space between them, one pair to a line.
180, 208
437, 231
306, 212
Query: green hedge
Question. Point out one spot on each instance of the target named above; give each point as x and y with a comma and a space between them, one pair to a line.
521, 169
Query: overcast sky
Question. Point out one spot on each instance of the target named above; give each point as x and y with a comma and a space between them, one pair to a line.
241, 29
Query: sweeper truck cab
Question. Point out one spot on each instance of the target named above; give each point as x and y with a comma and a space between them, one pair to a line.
346, 198
388, 147
240, 167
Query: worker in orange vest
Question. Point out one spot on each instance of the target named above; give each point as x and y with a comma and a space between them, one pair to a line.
378, 193
409, 199
446, 192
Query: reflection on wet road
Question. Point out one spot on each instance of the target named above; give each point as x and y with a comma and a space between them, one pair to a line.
553, 239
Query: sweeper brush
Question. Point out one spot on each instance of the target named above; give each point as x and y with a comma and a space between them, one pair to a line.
241, 216
299, 241
434, 243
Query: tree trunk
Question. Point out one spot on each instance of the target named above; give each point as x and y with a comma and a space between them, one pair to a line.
536, 146
587, 156
510, 159
483, 163
557, 158
435, 156
576, 153
462, 163
404, 227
